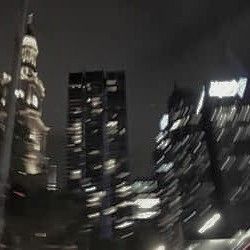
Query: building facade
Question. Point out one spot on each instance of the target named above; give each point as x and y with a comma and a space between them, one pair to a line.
97, 134
202, 155
29, 162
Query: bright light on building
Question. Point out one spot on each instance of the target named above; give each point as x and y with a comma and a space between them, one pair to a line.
147, 203
164, 121
146, 215
210, 223
124, 224
201, 101
161, 247
228, 88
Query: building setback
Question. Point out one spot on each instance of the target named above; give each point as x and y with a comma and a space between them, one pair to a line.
97, 150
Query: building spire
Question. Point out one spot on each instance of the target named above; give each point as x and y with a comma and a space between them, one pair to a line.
29, 25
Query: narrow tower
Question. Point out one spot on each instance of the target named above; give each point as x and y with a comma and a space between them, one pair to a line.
28, 165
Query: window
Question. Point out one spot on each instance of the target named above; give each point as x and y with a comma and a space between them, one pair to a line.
19, 93
35, 101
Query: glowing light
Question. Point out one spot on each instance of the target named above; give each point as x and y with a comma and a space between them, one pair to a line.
164, 121
124, 224
210, 223
146, 215
161, 247
147, 202
90, 189
164, 168
19, 93
76, 174
175, 125
35, 101
94, 215
201, 101
3, 101
228, 88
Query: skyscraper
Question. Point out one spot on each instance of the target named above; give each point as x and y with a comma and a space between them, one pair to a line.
28, 165
202, 154
97, 134
228, 110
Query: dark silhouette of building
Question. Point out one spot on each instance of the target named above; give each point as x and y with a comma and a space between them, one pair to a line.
97, 150
202, 156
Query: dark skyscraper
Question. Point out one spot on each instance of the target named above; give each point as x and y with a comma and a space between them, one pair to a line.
202, 147
29, 162
97, 149
229, 122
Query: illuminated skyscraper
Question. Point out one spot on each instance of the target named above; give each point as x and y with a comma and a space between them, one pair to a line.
28, 165
228, 110
202, 154
97, 149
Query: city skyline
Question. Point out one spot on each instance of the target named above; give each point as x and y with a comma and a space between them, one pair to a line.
149, 65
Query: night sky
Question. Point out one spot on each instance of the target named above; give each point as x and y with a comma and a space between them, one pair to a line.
155, 42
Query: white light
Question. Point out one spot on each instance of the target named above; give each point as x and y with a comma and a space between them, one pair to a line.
90, 189
110, 210
161, 247
124, 224
164, 121
94, 215
123, 189
147, 202
146, 215
201, 101
35, 101
228, 88
3, 101
175, 125
76, 174
164, 168
112, 124
210, 223
125, 204
19, 93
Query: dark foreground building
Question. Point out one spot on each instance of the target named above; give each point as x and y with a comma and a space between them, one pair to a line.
97, 150
201, 157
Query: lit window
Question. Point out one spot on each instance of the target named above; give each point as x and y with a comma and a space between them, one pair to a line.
110, 210
164, 121
94, 215
146, 215
124, 189
76, 174
147, 202
124, 224
175, 125
110, 164
111, 82
19, 93
96, 101
34, 136
164, 168
3, 101
228, 88
112, 88
201, 101
210, 223
35, 101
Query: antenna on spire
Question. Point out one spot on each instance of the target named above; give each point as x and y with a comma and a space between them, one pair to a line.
30, 18
30, 24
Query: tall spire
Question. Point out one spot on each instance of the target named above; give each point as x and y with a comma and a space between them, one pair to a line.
30, 26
